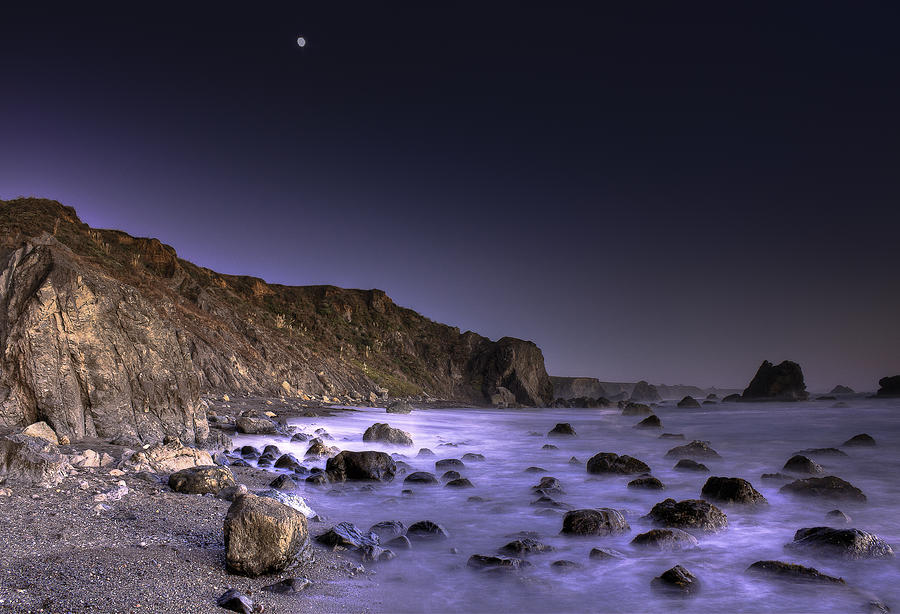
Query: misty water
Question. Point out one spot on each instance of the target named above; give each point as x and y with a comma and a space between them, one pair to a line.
751, 438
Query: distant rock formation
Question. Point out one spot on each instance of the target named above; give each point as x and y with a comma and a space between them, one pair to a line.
841, 390
890, 386
107, 335
645, 393
577, 387
783, 382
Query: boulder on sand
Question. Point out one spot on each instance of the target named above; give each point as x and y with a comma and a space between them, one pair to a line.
385, 433
201, 480
168, 457
263, 536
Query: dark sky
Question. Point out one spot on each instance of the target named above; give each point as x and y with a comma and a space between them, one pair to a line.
669, 191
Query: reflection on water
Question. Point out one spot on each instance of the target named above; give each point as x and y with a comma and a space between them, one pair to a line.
751, 438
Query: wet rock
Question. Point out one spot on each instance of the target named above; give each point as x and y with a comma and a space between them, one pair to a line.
288, 461
201, 480
283, 482
265, 460
822, 452
386, 530
525, 546
565, 565
561, 430
549, 486
250, 452
686, 464
732, 490
42, 430
549, 446
400, 543
779, 570
424, 452
731, 398
347, 535
574, 461
636, 409
689, 514
671, 436
375, 554
650, 422
801, 464
646, 482
399, 407
386, 434
844, 543
449, 463
420, 477
167, 457
837, 516
230, 493
688, 403
298, 437
426, 530
695, 449
676, 581
608, 462
782, 382
602, 521
255, 426
668, 540
236, 601
778, 477
481, 561
535, 470
288, 586
272, 450
545, 501
829, 487
318, 449
450, 475
861, 440
473, 457
459, 483
363, 466
263, 536
605, 554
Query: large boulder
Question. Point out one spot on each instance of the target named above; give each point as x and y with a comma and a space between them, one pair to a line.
829, 487
42, 430
201, 480
644, 393
650, 422
31, 461
844, 543
169, 457
562, 429
421, 477
609, 462
693, 450
385, 433
668, 539
603, 521
779, 570
783, 382
731, 490
689, 514
889, 386
255, 426
367, 466
801, 464
862, 440
263, 536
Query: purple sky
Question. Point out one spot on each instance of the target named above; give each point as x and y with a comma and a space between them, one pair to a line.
663, 194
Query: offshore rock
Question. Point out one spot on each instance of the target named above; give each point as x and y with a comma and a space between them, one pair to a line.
783, 382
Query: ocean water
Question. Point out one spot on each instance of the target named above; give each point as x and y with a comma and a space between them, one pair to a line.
751, 438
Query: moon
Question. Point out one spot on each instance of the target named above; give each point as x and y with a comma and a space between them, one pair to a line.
301, 42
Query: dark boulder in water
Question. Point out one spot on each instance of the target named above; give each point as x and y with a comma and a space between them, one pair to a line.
676, 581
425, 530
686, 464
288, 461
549, 446
349, 536
650, 422
459, 483
449, 463
506, 563
830, 487
603, 521
821, 452
385, 433
424, 452
861, 440
732, 490
364, 466
420, 477
644, 392
695, 449
609, 462
549, 486
535, 470
845, 543
783, 382
450, 475
781, 477
283, 482
836, 516
688, 402
671, 436
646, 482
526, 545
889, 386
562, 429
779, 570
473, 457
386, 530
668, 540
605, 554
801, 464
689, 514
636, 409
732, 398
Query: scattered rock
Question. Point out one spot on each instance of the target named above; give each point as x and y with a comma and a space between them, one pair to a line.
42, 430
776, 477
636, 409
688, 403
837, 516
732, 490
695, 449
473, 457
535, 470
861, 440
822, 452
647, 482
603, 521
365, 466
426, 530
549, 486
459, 483
387, 434
668, 540
230, 493
779, 570
605, 554
424, 452
347, 535
386, 530
845, 543
449, 463
201, 480
689, 514
420, 477
801, 464
525, 546
399, 407
288, 586
676, 580
284, 482
318, 449
235, 601
450, 475
650, 422
288, 461
481, 561
686, 464
562, 429
263, 536
255, 426
608, 462
549, 446
168, 457
830, 487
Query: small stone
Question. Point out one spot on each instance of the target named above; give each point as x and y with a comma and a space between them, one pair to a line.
235, 601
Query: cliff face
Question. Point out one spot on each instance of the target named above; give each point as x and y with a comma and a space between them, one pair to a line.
104, 334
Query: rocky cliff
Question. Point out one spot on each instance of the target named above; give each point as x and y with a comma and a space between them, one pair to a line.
782, 382
104, 334
575, 387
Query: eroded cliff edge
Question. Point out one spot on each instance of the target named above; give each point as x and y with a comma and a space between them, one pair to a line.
104, 334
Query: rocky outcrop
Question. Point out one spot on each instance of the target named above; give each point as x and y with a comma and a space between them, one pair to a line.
112, 336
783, 382
839, 389
263, 536
31, 461
889, 386
645, 393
